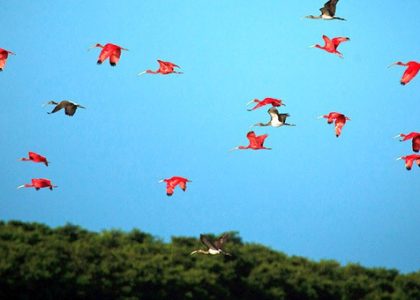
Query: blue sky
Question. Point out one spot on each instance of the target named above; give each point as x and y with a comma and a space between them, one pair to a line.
313, 195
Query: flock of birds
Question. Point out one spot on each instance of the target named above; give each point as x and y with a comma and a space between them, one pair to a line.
112, 53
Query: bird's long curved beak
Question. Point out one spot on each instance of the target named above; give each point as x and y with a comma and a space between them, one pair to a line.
20, 186
397, 136
399, 158
320, 117
233, 149
160, 181
141, 73
312, 46
250, 102
393, 64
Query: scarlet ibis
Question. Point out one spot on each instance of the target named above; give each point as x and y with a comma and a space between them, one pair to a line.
255, 142
213, 247
413, 68
69, 107
172, 182
409, 159
111, 51
35, 157
340, 121
4, 54
274, 102
414, 136
276, 120
39, 183
330, 117
165, 68
331, 45
327, 12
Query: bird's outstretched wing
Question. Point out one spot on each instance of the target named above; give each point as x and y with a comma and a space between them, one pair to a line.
221, 241
283, 117
70, 109
329, 8
205, 241
58, 106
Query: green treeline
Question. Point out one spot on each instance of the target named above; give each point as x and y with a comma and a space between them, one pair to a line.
39, 262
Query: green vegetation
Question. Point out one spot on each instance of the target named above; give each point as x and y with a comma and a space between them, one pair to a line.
38, 262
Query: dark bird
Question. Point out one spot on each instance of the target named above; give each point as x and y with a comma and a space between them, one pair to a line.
69, 107
327, 12
276, 120
213, 248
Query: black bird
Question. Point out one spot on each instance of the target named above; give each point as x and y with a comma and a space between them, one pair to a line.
276, 120
214, 247
327, 12
69, 107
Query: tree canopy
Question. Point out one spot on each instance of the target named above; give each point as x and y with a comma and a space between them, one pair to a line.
69, 262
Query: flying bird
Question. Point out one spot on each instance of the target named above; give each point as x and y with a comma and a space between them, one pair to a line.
35, 157
39, 183
340, 121
414, 136
172, 182
276, 120
213, 247
4, 54
274, 102
111, 51
69, 107
255, 142
409, 159
327, 12
331, 45
413, 68
165, 68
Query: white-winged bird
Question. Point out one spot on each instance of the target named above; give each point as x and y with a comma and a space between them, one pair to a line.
277, 119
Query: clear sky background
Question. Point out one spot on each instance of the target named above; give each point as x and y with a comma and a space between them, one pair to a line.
313, 195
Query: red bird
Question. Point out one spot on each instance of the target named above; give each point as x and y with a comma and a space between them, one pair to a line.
35, 157
165, 68
410, 72
111, 51
39, 183
172, 182
415, 136
255, 142
409, 159
260, 103
4, 54
331, 45
340, 121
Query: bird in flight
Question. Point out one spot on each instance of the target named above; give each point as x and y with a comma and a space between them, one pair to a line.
255, 142
414, 136
213, 247
69, 107
111, 51
4, 54
413, 68
327, 12
409, 159
39, 183
274, 102
276, 120
340, 121
331, 45
165, 68
35, 157
172, 182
